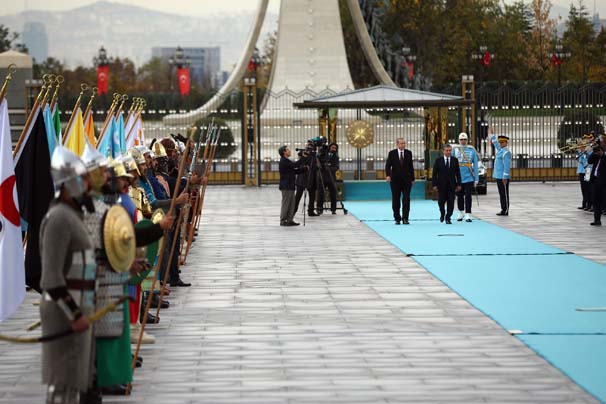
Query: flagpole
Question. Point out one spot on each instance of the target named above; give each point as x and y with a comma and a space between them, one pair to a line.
30, 117
110, 114
51, 81
83, 88
90, 102
59, 80
12, 68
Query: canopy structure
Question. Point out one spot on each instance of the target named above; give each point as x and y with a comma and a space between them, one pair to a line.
384, 97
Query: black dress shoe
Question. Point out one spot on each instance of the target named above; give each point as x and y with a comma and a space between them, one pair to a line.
283, 223
293, 224
397, 222
139, 360
468, 220
334, 212
501, 213
182, 284
580, 207
448, 221
154, 303
151, 319
596, 223
405, 221
312, 214
441, 218
116, 390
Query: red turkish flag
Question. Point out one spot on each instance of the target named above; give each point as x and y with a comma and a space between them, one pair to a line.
487, 59
102, 79
183, 77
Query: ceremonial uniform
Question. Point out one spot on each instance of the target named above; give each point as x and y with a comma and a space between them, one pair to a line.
582, 169
502, 171
468, 163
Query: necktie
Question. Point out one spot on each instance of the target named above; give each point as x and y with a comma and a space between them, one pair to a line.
447, 162
402, 159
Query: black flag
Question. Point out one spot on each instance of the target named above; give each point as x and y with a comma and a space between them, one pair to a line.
35, 191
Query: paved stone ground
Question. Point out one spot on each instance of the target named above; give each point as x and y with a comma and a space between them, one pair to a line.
326, 313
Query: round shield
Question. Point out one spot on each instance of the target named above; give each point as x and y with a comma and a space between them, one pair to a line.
119, 238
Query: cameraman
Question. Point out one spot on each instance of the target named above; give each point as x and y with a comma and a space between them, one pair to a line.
303, 176
329, 164
288, 170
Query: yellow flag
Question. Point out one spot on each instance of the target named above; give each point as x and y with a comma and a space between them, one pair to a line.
75, 135
89, 128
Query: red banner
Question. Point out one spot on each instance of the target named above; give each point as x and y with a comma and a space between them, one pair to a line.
102, 79
487, 59
183, 77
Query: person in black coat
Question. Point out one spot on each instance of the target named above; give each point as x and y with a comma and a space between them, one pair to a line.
400, 175
288, 171
446, 179
598, 183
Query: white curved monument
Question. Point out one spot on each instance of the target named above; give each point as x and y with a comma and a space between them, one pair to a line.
310, 56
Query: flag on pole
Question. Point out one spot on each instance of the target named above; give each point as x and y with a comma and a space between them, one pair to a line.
119, 135
12, 272
132, 135
102, 79
184, 81
35, 191
49, 123
57, 120
107, 146
74, 140
89, 128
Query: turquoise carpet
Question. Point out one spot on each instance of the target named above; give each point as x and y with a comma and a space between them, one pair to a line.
522, 284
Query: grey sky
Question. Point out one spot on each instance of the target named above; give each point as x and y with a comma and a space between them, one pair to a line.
201, 7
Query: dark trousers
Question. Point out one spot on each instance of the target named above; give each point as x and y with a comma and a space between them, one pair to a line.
503, 195
332, 191
598, 192
402, 188
464, 198
446, 196
173, 266
585, 191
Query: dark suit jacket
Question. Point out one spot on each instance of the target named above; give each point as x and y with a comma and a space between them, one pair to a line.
446, 178
395, 171
593, 159
288, 170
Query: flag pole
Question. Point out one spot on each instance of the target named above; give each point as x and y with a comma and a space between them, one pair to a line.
59, 80
30, 117
83, 88
171, 210
12, 68
51, 80
138, 114
89, 106
110, 114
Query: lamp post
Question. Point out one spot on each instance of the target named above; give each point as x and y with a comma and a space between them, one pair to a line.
101, 59
102, 62
407, 64
558, 57
251, 152
485, 57
176, 60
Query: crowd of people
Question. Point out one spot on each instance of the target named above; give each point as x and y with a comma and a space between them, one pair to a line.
79, 277
591, 162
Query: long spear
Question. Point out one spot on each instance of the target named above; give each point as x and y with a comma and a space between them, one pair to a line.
83, 88
160, 257
12, 68
207, 171
26, 128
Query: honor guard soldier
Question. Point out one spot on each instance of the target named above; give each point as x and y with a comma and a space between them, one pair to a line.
501, 170
468, 163
584, 171
68, 283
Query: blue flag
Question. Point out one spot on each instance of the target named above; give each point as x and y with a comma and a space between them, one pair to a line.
49, 124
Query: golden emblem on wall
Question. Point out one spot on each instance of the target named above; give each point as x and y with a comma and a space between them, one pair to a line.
360, 134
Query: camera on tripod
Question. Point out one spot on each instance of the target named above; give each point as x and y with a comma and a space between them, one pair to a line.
312, 146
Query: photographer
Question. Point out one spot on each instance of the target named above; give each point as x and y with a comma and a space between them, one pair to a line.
288, 170
329, 164
303, 176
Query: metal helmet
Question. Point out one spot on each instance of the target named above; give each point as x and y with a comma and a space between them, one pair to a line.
463, 136
118, 170
136, 155
144, 150
130, 164
67, 170
168, 143
92, 158
159, 150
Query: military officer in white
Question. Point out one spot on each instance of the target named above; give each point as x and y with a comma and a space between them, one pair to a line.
468, 164
501, 170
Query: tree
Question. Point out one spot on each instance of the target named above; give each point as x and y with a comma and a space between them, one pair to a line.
8, 40
226, 146
578, 39
361, 74
543, 30
267, 59
597, 71
154, 76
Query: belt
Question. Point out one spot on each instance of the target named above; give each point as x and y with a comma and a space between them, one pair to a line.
465, 165
79, 284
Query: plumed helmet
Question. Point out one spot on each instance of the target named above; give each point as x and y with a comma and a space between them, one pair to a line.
118, 169
92, 158
67, 170
136, 155
181, 146
159, 150
463, 136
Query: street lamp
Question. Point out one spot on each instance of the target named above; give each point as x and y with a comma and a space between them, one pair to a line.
177, 59
102, 62
485, 57
101, 59
558, 57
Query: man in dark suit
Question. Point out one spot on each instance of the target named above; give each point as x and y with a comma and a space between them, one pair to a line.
446, 178
598, 182
401, 177
288, 171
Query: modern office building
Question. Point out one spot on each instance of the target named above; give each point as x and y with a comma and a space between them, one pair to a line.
204, 63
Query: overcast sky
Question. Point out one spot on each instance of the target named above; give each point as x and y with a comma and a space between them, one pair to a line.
201, 7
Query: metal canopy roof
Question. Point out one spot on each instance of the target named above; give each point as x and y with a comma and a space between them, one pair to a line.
384, 97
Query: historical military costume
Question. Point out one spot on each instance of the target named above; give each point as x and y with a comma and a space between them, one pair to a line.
68, 283
501, 171
468, 163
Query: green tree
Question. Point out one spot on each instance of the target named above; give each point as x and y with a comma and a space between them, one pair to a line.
8, 40
543, 30
361, 73
226, 146
154, 76
578, 38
